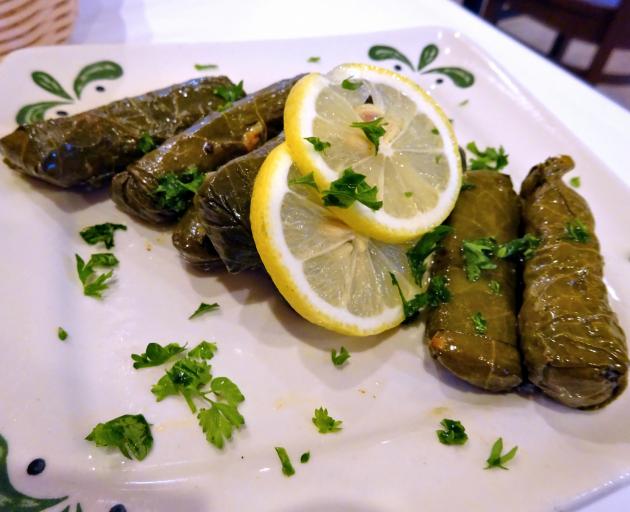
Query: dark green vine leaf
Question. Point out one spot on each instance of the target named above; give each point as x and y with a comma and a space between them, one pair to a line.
428, 55
35, 111
13, 500
381, 52
459, 76
101, 70
48, 83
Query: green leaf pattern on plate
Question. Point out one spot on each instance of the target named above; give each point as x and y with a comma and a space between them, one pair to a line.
459, 76
381, 52
428, 55
101, 70
48, 83
35, 111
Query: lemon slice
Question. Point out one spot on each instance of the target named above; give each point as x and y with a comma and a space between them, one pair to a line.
328, 273
417, 166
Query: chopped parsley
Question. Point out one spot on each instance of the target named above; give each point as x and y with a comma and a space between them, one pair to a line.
495, 287
453, 432
176, 190
324, 423
437, 291
62, 334
156, 354
319, 145
435, 131
131, 434
412, 307
313, 59
467, 186
349, 188
575, 182
307, 180
205, 350
423, 248
489, 159
146, 144
479, 323
95, 284
204, 308
351, 85
496, 460
101, 233
408, 194
525, 246
229, 94
205, 67
577, 231
287, 467
340, 358
373, 130
305, 457
478, 256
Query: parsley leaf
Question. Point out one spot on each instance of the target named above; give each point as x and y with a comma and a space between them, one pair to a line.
479, 323
408, 193
95, 284
489, 159
62, 334
101, 233
341, 358
495, 287
175, 191
349, 188
372, 130
324, 423
205, 350
305, 457
313, 59
155, 355
412, 307
478, 256
225, 389
307, 180
351, 85
186, 377
525, 246
146, 144
287, 467
204, 308
218, 422
229, 94
204, 67
577, 231
453, 432
575, 182
496, 460
131, 434
438, 292
319, 145
418, 254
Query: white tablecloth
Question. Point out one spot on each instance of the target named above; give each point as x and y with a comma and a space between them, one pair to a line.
601, 124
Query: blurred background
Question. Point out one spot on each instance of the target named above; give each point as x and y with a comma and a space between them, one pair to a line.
589, 38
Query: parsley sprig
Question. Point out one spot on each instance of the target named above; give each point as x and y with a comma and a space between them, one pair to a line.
204, 308
478, 256
156, 354
95, 284
307, 180
437, 292
175, 191
131, 434
351, 85
491, 159
146, 144
373, 130
287, 467
318, 144
480, 325
525, 246
419, 253
452, 433
229, 94
496, 459
351, 187
340, 358
101, 233
324, 422
577, 231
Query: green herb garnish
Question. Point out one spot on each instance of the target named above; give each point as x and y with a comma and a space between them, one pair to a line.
495, 287
372, 130
204, 308
176, 191
229, 94
525, 246
305, 457
324, 423
423, 248
479, 323
131, 434
437, 291
351, 85
287, 467
101, 233
478, 256
453, 432
341, 358
408, 194
349, 188
412, 307
496, 460
307, 180
319, 145
490, 158
205, 350
435, 131
313, 59
467, 186
62, 334
205, 67
577, 231
146, 144
575, 182
95, 284
156, 354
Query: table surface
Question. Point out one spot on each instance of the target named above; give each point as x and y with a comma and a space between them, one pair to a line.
600, 123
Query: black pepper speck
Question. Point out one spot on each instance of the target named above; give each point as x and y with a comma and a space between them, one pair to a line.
397, 67
440, 80
62, 113
36, 467
100, 88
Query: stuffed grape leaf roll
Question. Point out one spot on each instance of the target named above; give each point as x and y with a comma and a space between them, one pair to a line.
191, 240
209, 143
474, 334
87, 149
573, 346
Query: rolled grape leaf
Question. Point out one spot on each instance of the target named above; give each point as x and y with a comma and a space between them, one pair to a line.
86, 149
191, 240
489, 360
223, 203
573, 346
209, 143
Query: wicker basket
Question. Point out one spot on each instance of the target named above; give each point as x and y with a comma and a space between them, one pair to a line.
35, 22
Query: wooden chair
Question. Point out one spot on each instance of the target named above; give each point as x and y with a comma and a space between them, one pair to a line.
603, 22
